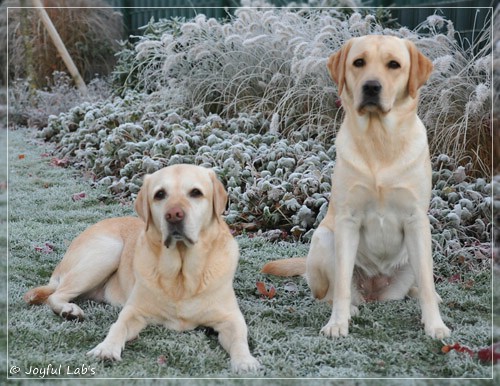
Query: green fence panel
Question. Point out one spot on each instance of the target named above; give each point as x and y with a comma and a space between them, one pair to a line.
141, 14
468, 16
138, 13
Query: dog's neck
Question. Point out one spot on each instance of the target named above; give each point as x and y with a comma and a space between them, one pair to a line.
184, 265
381, 138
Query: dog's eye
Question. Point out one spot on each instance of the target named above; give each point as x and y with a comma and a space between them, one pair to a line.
359, 63
195, 193
393, 65
160, 195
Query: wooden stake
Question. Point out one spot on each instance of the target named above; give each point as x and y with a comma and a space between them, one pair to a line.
61, 48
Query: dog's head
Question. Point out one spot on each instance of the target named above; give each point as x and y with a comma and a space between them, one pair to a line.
375, 72
181, 201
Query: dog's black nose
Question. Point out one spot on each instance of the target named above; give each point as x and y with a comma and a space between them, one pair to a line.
372, 88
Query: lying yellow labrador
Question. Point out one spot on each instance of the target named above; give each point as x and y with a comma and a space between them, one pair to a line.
173, 266
374, 242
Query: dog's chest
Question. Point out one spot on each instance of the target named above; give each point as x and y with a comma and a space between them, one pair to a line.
181, 301
381, 232
382, 214
179, 316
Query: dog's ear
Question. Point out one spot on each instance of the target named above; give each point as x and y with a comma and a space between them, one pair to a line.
219, 194
142, 203
336, 65
420, 69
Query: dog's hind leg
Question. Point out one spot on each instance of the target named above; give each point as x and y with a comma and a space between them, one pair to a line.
88, 263
318, 263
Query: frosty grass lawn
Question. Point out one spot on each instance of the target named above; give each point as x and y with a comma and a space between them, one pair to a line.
386, 340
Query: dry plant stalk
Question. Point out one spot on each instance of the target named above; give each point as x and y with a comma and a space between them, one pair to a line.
91, 36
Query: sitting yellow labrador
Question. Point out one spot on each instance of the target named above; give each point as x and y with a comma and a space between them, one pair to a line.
173, 266
375, 242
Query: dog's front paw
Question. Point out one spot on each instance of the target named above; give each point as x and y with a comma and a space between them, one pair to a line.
106, 351
334, 329
246, 364
437, 330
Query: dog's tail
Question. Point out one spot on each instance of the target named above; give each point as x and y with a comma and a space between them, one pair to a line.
39, 295
295, 266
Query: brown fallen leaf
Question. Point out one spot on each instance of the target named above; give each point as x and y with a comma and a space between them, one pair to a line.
59, 162
262, 288
455, 278
78, 196
47, 248
162, 360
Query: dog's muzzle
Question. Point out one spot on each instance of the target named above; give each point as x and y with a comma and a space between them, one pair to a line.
175, 217
371, 95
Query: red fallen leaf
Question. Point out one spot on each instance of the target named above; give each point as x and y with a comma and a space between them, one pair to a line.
261, 287
490, 354
21, 156
338, 103
59, 162
457, 347
47, 248
78, 196
455, 278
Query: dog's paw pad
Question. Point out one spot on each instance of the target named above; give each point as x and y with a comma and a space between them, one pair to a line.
438, 332
71, 311
245, 365
103, 351
334, 330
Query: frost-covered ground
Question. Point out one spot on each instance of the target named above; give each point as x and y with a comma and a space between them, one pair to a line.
3, 241
386, 340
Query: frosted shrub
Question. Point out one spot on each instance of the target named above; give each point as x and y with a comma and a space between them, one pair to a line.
252, 99
272, 182
456, 102
273, 62
32, 107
